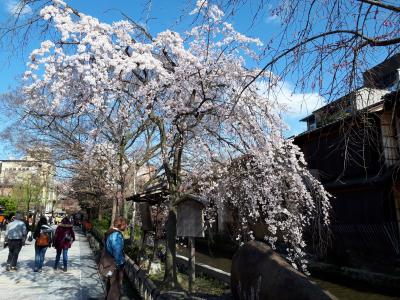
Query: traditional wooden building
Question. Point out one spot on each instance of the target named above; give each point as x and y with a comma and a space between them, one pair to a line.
353, 147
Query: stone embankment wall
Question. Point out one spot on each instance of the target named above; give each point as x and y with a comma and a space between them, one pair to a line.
203, 269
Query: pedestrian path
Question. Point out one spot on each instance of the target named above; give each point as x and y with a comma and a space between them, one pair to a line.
81, 281
2, 233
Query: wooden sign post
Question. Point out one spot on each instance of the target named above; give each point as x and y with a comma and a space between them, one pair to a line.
190, 223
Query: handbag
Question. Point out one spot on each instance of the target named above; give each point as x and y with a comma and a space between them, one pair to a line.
68, 237
107, 265
30, 237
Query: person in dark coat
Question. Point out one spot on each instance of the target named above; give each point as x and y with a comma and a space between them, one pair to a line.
63, 239
40, 250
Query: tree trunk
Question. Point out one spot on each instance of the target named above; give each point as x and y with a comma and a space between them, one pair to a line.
120, 210
120, 205
114, 211
121, 184
170, 277
132, 235
172, 175
125, 206
192, 263
100, 213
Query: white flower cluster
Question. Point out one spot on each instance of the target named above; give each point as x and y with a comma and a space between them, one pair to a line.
270, 189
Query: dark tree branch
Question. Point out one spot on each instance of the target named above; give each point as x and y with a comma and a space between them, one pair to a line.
381, 4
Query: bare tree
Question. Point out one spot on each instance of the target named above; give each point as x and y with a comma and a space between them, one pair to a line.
327, 45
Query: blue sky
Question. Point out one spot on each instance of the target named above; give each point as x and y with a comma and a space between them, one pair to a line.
162, 15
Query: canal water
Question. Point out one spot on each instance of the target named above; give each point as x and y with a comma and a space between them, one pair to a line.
349, 293
339, 290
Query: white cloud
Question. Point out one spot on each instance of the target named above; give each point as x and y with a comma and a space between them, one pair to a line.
15, 7
297, 104
272, 19
292, 106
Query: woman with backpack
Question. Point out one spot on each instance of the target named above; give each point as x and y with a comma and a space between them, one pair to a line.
43, 236
63, 239
114, 246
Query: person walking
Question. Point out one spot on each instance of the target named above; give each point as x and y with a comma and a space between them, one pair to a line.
28, 229
3, 223
43, 235
51, 220
15, 236
63, 239
114, 243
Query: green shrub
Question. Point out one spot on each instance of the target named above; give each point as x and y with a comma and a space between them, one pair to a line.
202, 284
132, 251
9, 204
103, 225
138, 232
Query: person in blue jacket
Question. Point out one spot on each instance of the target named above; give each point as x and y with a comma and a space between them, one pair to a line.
114, 243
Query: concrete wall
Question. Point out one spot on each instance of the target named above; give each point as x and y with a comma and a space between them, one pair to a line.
204, 269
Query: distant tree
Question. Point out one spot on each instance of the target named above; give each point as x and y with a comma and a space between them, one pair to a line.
101, 143
9, 204
28, 194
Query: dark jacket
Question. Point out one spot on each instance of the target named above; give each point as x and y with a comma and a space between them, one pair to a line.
63, 231
28, 228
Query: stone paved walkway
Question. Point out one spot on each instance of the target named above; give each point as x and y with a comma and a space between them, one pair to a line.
81, 281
